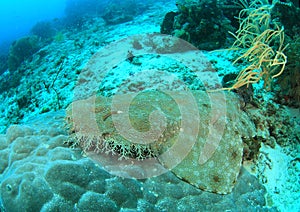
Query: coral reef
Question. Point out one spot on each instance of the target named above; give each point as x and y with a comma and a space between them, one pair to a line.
21, 50
290, 81
261, 42
77, 11
117, 12
3, 63
289, 90
270, 130
282, 19
203, 23
44, 30
38, 170
288, 14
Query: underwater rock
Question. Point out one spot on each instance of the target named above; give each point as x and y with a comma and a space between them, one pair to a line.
197, 135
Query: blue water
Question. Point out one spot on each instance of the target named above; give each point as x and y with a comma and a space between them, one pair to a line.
17, 17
